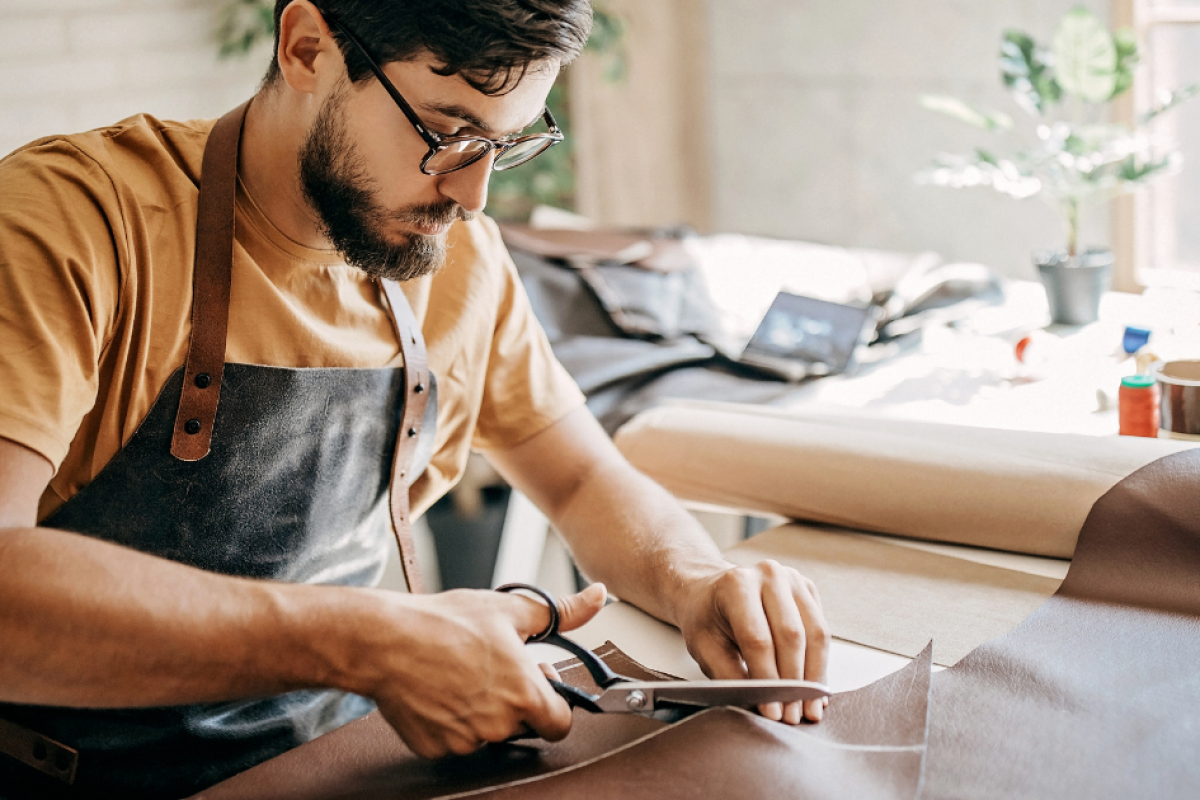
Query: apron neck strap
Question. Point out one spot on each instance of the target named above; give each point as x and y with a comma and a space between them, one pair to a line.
205, 365
416, 396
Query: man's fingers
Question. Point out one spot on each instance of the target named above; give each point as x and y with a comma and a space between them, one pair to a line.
575, 610
530, 615
550, 672
548, 715
787, 630
787, 626
816, 656
752, 632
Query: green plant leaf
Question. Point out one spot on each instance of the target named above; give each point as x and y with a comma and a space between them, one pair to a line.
1025, 71
1125, 40
1075, 144
963, 112
1085, 56
241, 24
608, 41
1134, 171
981, 169
1168, 100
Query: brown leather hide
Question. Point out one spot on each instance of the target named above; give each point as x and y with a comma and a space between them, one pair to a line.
871, 746
1097, 694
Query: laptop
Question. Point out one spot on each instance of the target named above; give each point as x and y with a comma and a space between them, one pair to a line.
801, 337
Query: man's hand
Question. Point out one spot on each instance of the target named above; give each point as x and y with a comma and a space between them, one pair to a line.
453, 672
763, 621
624, 529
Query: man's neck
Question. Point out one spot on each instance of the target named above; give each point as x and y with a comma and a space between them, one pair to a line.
268, 166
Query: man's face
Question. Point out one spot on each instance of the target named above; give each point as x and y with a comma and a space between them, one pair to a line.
360, 163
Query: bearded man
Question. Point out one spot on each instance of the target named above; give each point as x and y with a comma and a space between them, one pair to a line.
233, 352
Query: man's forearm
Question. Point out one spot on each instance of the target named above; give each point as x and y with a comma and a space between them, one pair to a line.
627, 531
91, 624
763, 621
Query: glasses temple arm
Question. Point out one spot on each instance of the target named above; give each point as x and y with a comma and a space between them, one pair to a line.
428, 136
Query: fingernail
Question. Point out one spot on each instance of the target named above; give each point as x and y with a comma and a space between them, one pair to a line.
816, 712
792, 713
773, 711
824, 701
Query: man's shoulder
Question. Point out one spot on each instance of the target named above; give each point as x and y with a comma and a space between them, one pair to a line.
139, 151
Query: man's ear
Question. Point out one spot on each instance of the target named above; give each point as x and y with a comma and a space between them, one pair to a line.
305, 47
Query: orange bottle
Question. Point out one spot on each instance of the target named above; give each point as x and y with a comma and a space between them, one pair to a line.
1139, 406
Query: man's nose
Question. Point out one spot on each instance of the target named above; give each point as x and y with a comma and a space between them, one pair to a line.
469, 186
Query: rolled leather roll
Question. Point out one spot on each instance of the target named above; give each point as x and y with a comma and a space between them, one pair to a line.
1020, 491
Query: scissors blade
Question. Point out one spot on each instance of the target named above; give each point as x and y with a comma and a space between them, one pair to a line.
645, 697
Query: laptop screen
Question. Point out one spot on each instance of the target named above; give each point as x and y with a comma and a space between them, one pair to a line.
810, 330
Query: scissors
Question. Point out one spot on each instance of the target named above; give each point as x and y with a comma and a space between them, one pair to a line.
668, 701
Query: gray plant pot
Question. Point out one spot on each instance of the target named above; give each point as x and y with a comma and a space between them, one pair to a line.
1074, 286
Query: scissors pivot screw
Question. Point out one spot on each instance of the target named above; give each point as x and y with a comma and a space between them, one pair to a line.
636, 700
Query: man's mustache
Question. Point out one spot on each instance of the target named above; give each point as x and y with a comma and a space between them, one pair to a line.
433, 214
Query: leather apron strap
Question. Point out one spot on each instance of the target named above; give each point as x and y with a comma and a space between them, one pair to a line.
205, 365
416, 395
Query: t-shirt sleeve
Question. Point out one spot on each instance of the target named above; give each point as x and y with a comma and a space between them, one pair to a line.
58, 292
527, 389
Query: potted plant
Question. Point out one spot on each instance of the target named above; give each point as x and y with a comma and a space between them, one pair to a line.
1074, 158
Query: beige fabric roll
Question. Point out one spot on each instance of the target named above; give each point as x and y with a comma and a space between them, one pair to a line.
1009, 490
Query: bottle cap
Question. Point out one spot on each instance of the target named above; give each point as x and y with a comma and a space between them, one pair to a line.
1138, 381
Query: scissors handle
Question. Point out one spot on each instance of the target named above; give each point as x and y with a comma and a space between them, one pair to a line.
600, 672
577, 698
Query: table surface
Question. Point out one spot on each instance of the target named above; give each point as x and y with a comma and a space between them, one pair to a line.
966, 375
661, 647
851, 666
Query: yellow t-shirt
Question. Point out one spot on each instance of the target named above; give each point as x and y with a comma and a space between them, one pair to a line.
97, 233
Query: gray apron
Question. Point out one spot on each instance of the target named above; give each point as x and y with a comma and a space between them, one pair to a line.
286, 478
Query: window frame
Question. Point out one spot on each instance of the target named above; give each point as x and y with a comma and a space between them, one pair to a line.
1133, 234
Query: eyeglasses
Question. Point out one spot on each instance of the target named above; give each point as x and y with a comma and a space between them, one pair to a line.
450, 153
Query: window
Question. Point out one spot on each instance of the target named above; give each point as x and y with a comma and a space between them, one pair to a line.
1157, 231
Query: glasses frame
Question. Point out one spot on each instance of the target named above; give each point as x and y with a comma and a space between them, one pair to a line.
437, 142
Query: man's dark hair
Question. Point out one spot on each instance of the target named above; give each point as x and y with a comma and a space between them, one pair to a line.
490, 43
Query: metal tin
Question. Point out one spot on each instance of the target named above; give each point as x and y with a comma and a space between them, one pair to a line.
1179, 409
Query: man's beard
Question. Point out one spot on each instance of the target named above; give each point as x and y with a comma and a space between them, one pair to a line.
338, 189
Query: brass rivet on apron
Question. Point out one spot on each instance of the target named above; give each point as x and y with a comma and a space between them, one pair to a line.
203, 380
192, 426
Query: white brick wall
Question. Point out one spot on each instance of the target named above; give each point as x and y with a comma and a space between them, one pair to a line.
71, 65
